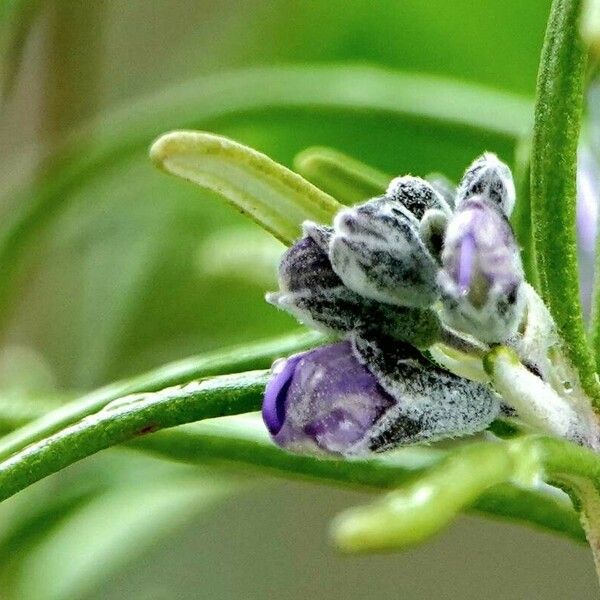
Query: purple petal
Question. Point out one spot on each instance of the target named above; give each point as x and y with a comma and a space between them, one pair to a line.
465, 265
323, 401
481, 272
274, 404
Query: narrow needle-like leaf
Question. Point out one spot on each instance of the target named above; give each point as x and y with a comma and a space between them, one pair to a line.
276, 198
242, 441
130, 417
345, 178
419, 510
259, 355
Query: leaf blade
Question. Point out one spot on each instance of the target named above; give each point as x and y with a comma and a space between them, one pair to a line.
276, 198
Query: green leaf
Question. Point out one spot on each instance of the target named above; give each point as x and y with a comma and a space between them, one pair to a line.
250, 356
129, 417
276, 198
345, 178
243, 442
417, 511
558, 114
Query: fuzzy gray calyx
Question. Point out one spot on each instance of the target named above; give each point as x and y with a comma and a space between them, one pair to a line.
435, 403
490, 178
310, 290
377, 251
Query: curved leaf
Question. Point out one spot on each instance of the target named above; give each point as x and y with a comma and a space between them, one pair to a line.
276, 198
130, 417
243, 441
414, 513
251, 356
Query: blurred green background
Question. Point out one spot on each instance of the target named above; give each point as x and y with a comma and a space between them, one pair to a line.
126, 269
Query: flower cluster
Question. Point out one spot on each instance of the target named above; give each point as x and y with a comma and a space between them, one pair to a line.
404, 280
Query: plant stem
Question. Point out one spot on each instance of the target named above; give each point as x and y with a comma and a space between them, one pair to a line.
242, 441
415, 512
558, 113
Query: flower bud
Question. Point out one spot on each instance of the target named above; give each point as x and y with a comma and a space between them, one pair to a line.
316, 296
377, 252
323, 402
432, 403
416, 195
489, 178
332, 400
482, 275
313, 293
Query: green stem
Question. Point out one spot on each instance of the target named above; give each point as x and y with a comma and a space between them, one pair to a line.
415, 512
128, 418
462, 479
558, 113
578, 473
253, 356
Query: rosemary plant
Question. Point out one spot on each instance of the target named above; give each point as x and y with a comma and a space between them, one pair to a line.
438, 313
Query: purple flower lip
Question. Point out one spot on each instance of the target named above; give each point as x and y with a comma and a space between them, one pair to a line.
274, 405
481, 272
368, 395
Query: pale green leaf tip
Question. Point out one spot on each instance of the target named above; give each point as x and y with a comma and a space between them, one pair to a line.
278, 199
175, 143
379, 529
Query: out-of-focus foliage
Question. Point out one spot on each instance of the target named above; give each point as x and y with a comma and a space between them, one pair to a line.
136, 269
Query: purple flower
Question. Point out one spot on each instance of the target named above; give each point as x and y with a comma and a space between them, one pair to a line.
313, 293
482, 276
323, 401
375, 279
329, 401
310, 290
